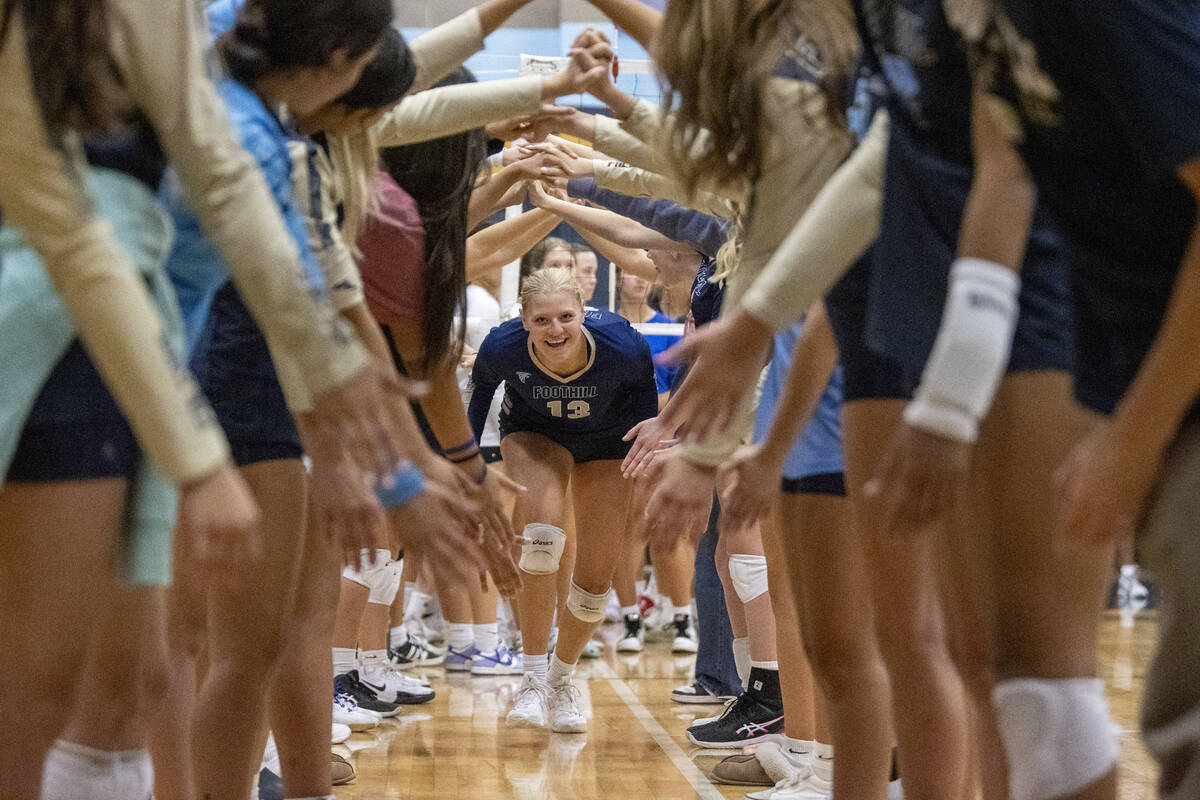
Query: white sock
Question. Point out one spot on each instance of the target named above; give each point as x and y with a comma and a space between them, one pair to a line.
344, 660
633, 609
1129, 571
487, 636
372, 662
771, 665
74, 771
537, 666
741, 658
459, 636
668, 609
560, 672
397, 636
799, 750
414, 604
822, 761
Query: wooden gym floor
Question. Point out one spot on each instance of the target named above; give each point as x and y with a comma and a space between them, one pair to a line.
458, 745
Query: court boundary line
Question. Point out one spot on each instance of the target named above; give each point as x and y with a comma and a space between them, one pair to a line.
691, 773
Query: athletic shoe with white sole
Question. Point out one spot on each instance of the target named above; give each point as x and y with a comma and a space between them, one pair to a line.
339, 733
349, 683
393, 686
746, 720
592, 650
803, 786
685, 640
634, 639
695, 694
414, 652
565, 714
460, 660
346, 711
500, 661
531, 704
340, 770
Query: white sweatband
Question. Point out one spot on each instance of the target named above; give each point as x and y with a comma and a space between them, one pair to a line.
586, 607
540, 556
971, 351
748, 573
383, 579
1057, 733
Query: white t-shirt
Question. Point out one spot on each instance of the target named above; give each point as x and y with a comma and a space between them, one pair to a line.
483, 314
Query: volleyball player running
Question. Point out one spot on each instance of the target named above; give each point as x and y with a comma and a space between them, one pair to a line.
575, 382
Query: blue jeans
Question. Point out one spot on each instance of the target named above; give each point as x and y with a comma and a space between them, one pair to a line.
715, 668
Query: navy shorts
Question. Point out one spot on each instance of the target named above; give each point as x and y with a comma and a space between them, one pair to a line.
600, 446
923, 200
234, 368
866, 375
830, 483
491, 455
75, 430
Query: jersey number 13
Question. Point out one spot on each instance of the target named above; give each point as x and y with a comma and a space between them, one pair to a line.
576, 409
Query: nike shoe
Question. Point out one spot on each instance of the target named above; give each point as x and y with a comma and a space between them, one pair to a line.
415, 652
746, 720
530, 706
460, 660
500, 661
346, 711
791, 771
635, 635
592, 650
685, 635
366, 697
565, 714
393, 686
695, 694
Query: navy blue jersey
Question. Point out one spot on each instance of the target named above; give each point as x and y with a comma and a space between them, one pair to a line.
608, 396
1107, 99
706, 295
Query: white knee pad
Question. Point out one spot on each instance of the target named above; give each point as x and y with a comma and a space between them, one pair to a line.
1057, 733
383, 579
749, 575
586, 606
545, 548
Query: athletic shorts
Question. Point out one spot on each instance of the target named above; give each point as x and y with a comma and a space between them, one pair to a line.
491, 455
830, 483
234, 368
600, 446
75, 430
866, 375
923, 200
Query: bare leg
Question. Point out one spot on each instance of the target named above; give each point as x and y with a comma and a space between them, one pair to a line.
795, 676
71, 526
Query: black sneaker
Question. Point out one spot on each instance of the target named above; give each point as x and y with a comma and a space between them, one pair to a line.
695, 694
745, 721
685, 635
363, 695
414, 653
635, 635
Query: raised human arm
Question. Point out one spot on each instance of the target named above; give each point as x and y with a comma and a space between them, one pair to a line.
614, 227
701, 232
628, 259
634, 17
506, 241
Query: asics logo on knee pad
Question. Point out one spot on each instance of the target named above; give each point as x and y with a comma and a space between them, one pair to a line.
543, 548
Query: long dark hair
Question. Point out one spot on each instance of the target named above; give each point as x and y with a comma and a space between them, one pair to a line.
440, 175
276, 35
67, 48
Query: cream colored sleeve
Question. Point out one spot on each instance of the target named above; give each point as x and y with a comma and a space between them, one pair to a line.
447, 110
613, 140
805, 150
440, 51
834, 231
637, 182
157, 49
40, 193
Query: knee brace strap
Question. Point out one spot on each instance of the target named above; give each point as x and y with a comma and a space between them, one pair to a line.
544, 550
749, 575
1057, 733
586, 606
383, 579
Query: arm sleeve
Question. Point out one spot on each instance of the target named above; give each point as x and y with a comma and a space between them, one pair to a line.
613, 140
448, 110
442, 50
704, 232
158, 52
638, 182
834, 231
482, 386
41, 194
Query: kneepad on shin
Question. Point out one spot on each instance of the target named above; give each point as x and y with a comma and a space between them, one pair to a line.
749, 575
383, 579
587, 607
1057, 733
540, 556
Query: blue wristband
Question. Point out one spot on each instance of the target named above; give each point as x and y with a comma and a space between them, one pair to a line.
407, 483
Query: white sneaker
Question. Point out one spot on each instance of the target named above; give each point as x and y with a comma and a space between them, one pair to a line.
635, 635
565, 714
804, 785
500, 661
393, 686
339, 733
346, 711
531, 704
685, 640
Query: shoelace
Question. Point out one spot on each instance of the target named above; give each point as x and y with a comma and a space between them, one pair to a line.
572, 696
345, 702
